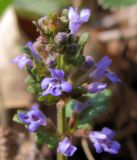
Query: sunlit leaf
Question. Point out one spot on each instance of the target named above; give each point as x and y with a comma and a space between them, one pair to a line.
3, 5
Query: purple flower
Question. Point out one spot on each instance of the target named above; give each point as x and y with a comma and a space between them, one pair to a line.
22, 61
96, 87
56, 84
103, 141
89, 62
33, 51
66, 148
76, 20
33, 118
102, 71
79, 107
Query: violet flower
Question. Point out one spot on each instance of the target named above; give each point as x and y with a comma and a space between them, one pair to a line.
102, 141
56, 84
76, 19
22, 61
66, 148
89, 62
96, 87
33, 51
102, 70
33, 118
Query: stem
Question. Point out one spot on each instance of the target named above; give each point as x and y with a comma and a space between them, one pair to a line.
61, 124
86, 149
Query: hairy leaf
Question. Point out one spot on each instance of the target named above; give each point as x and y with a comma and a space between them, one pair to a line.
83, 39
46, 137
100, 103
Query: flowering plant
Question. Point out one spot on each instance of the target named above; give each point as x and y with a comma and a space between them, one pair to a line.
61, 75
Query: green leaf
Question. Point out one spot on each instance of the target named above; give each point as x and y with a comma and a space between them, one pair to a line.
40, 137
48, 99
46, 137
3, 5
79, 61
34, 88
100, 103
16, 118
70, 107
83, 39
31, 89
29, 80
112, 4
32, 8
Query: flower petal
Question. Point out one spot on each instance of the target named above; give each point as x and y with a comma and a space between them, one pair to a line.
84, 15
96, 87
66, 148
104, 63
98, 147
45, 82
24, 118
57, 74
113, 147
108, 132
66, 86
33, 51
112, 77
33, 126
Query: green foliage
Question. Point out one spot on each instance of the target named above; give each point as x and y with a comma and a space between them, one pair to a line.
112, 4
34, 89
3, 5
70, 107
48, 99
16, 118
83, 39
99, 104
46, 137
29, 80
33, 8
76, 59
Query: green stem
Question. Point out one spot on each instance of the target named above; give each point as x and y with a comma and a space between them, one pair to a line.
61, 124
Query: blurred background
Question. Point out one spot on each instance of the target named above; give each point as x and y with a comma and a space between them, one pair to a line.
113, 32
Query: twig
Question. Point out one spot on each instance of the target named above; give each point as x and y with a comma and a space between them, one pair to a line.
86, 149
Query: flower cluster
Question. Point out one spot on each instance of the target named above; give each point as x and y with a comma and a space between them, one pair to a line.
56, 84
59, 71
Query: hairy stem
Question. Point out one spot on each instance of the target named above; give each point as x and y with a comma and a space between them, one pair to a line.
61, 124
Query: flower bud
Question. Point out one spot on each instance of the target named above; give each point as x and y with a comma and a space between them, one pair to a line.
89, 62
61, 38
51, 61
49, 48
73, 38
72, 48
